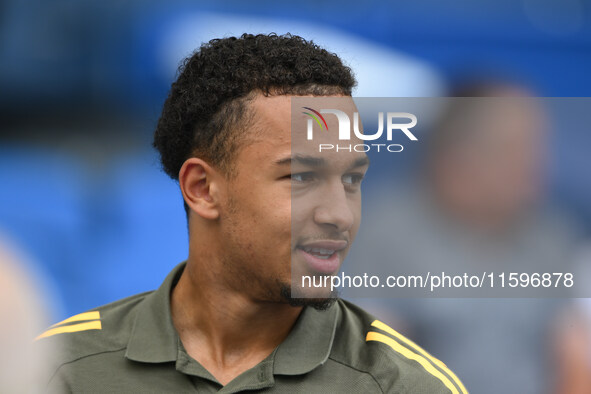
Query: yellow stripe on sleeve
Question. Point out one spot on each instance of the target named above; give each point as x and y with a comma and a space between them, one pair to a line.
91, 325
94, 315
376, 336
440, 364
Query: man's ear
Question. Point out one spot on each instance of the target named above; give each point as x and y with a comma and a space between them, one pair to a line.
199, 185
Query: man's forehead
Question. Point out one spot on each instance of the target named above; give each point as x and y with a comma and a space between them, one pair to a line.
318, 161
278, 127
274, 116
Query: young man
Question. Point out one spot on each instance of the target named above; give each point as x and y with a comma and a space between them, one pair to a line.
225, 320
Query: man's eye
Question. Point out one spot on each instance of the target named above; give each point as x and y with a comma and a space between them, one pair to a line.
302, 177
353, 179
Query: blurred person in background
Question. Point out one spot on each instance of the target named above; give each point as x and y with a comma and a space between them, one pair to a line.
573, 348
573, 337
477, 203
24, 314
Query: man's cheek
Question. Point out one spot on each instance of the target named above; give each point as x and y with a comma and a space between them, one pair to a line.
302, 210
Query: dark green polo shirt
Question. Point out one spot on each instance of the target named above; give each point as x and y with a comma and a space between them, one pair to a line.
131, 346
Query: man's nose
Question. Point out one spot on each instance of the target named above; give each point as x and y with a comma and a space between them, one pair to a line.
335, 207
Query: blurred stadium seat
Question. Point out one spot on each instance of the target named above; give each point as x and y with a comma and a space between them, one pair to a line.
140, 227
98, 237
42, 196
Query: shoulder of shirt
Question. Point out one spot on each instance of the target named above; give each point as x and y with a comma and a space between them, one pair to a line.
366, 344
99, 330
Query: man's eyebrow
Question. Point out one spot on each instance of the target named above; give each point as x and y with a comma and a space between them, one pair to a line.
317, 162
362, 161
309, 161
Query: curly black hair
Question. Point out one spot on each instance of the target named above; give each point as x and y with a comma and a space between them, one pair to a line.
207, 102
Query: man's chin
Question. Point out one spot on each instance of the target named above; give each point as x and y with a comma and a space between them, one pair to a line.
319, 303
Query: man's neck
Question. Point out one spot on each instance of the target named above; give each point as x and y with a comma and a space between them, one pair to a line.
225, 330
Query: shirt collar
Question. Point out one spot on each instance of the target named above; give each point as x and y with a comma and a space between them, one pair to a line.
154, 339
309, 343
153, 336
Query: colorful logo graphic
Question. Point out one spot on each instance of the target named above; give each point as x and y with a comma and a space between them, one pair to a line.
316, 118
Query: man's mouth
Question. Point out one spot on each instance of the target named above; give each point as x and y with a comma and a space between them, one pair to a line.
322, 256
319, 252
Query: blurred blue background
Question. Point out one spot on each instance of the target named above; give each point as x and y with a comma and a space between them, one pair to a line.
82, 84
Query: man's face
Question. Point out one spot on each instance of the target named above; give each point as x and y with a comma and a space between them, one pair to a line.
288, 205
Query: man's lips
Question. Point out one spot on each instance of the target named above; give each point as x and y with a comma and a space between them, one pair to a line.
322, 256
333, 245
